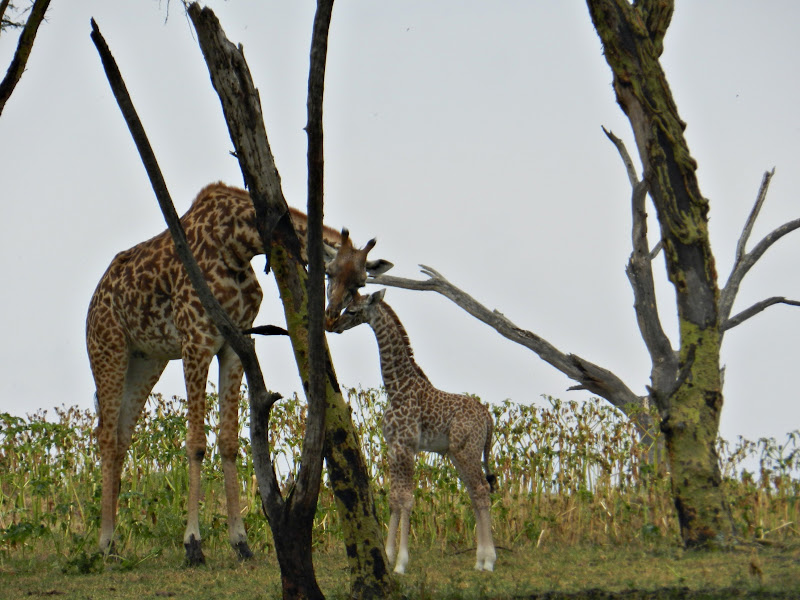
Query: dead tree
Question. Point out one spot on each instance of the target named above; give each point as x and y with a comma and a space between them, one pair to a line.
686, 383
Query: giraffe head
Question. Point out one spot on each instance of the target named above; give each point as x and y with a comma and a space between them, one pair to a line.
347, 273
358, 311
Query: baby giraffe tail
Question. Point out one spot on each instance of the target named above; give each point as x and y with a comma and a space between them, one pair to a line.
491, 478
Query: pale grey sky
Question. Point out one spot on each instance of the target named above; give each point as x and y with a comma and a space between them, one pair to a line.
464, 135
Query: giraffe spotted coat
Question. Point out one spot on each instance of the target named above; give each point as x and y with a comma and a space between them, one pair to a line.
420, 417
145, 313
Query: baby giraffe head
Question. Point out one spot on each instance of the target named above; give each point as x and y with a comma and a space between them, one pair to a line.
347, 273
359, 310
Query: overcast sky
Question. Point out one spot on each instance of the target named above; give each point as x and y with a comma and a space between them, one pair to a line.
464, 135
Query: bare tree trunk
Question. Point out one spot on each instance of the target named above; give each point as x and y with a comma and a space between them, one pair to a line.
24, 47
347, 470
690, 405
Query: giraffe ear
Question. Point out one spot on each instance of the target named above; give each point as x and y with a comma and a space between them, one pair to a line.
377, 296
328, 253
378, 267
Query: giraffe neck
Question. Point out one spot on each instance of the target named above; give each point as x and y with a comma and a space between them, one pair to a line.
398, 367
229, 213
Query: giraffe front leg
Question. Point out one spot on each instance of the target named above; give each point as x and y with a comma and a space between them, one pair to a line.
230, 379
401, 501
195, 372
391, 538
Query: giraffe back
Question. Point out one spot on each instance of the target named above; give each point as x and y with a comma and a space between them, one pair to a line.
145, 292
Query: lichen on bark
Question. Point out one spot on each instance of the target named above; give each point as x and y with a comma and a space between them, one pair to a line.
632, 36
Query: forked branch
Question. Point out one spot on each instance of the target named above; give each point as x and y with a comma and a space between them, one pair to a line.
663, 359
744, 261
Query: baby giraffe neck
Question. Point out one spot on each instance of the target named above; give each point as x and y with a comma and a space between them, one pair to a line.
398, 367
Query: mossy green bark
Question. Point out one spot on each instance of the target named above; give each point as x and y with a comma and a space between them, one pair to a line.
691, 425
632, 37
347, 470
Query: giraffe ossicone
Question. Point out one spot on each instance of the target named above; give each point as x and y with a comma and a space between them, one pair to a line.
145, 312
420, 417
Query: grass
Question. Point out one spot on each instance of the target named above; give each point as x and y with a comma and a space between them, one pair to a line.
524, 572
579, 507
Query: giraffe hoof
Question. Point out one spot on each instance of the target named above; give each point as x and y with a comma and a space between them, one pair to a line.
243, 551
194, 553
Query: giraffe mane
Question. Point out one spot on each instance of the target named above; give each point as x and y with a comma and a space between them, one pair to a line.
406, 342
208, 191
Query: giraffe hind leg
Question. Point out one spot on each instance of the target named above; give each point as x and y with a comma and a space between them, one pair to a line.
468, 466
109, 394
120, 406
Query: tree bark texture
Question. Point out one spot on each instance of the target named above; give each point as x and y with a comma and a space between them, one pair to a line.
346, 467
23, 52
632, 36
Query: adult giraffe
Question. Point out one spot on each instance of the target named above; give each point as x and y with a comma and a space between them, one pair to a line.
145, 313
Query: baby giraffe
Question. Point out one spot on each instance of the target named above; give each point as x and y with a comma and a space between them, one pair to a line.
420, 417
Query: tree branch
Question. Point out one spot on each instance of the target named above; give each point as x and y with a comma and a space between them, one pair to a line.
741, 246
231, 79
23, 52
754, 310
3, 21
589, 376
639, 270
744, 261
633, 176
309, 477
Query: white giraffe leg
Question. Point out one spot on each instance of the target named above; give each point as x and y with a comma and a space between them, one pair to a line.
401, 501
468, 466
391, 538
402, 553
486, 555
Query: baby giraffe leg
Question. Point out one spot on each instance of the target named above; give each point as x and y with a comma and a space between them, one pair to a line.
486, 555
402, 552
391, 538
401, 501
468, 465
